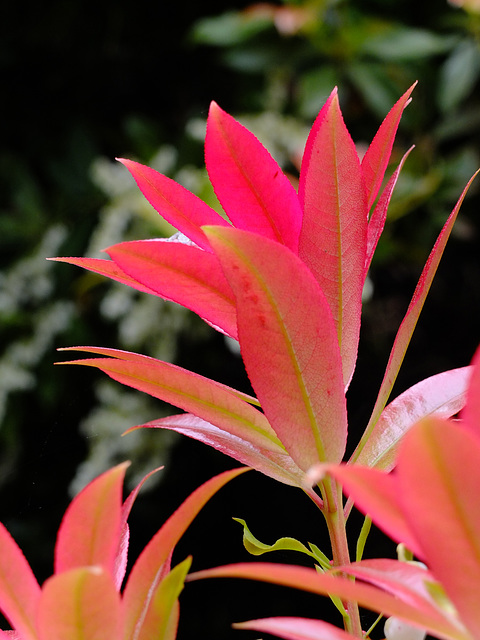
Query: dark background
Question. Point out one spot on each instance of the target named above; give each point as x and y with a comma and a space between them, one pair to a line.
82, 80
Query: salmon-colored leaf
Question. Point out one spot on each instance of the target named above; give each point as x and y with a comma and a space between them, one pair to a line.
295, 628
438, 479
182, 273
442, 395
146, 574
251, 187
191, 392
80, 604
333, 239
471, 412
90, 531
409, 322
174, 203
375, 160
271, 461
406, 604
296, 373
19, 590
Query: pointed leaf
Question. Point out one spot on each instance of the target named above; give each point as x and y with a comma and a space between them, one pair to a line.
205, 398
271, 461
146, 573
297, 372
161, 619
251, 187
122, 551
409, 322
91, 527
442, 395
295, 628
174, 203
81, 604
257, 548
19, 590
182, 273
471, 413
379, 215
333, 238
106, 268
375, 160
405, 604
438, 477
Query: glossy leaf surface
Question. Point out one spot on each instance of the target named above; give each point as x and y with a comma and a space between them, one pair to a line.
295, 628
251, 187
297, 372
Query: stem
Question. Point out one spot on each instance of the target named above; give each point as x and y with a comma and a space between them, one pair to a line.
335, 518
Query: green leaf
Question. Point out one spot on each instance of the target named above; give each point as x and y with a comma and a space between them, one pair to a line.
257, 548
458, 75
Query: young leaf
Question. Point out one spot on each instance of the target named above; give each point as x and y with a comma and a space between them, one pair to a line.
251, 187
91, 527
471, 413
146, 575
295, 628
442, 395
182, 273
191, 392
402, 601
80, 604
179, 207
271, 461
333, 238
409, 322
375, 160
438, 476
161, 619
297, 373
19, 589
257, 548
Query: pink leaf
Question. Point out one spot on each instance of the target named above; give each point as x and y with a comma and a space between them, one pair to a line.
406, 604
19, 590
409, 322
81, 604
270, 461
442, 395
174, 203
379, 215
91, 527
205, 398
106, 268
471, 413
376, 158
288, 343
376, 494
185, 274
146, 574
438, 480
249, 184
333, 238
295, 629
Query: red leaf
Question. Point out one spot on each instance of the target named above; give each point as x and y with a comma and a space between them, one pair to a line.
145, 576
471, 412
179, 207
442, 395
91, 527
296, 629
375, 160
212, 401
333, 238
438, 479
81, 604
273, 463
251, 187
182, 273
296, 373
19, 590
